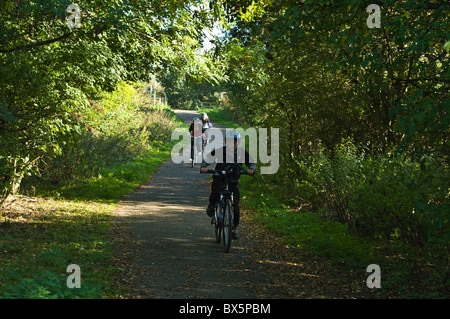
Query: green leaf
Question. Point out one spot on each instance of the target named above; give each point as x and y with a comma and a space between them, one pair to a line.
447, 46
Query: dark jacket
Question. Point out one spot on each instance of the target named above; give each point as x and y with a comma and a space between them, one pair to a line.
202, 125
221, 165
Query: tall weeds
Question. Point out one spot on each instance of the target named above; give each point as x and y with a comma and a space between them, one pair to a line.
117, 127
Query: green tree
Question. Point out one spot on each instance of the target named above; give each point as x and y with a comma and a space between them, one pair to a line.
49, 71
401, 68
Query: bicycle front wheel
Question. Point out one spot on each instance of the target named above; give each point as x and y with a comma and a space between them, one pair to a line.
227, 226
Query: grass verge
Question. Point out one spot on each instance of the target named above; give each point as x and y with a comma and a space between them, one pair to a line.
41, 236
406, 272
306, 230
116, 180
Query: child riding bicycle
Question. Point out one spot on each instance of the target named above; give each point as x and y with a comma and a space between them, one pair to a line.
229, 151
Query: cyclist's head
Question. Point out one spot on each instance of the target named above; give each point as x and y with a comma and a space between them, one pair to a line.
196, 119
204, 116
233, 138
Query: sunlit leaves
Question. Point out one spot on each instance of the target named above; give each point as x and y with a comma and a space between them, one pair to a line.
49, 70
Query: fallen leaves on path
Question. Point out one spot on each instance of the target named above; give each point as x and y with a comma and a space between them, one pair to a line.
294, 273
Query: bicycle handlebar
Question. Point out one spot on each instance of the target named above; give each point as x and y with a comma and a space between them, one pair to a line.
213, 171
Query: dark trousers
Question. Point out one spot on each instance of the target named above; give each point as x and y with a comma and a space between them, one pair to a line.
217, 186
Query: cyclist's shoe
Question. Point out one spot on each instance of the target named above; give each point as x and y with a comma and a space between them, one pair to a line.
234, 234
210, 210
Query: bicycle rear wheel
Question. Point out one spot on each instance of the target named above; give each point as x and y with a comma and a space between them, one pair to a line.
218, 224
227, 226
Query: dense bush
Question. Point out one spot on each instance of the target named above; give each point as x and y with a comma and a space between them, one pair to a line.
382, 196
117, 127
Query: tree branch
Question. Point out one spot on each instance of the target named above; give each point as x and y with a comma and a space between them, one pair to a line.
30, 46
423, 79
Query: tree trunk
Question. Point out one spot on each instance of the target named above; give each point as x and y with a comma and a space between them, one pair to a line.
12, 185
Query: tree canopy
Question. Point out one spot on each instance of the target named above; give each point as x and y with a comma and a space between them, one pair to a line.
51, 64
319, 64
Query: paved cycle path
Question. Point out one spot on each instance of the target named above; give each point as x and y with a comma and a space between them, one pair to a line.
175, 252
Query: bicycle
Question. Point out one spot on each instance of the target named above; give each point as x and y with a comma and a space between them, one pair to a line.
223, 213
